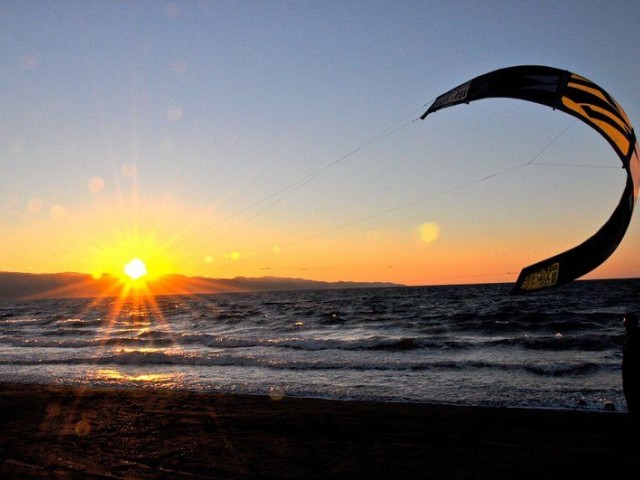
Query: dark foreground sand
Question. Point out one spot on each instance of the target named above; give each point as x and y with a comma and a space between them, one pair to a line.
63, 432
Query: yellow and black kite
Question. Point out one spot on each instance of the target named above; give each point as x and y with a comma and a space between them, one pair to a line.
585, 100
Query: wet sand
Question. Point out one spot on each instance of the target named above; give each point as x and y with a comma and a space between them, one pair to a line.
65, 432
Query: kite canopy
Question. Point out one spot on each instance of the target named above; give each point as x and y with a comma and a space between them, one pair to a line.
577, 96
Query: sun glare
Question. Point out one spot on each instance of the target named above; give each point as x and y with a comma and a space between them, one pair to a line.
135, 269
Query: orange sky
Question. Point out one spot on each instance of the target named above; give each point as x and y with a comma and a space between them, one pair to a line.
173, 238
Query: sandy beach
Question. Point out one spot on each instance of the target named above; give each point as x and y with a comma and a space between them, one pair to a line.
65, 432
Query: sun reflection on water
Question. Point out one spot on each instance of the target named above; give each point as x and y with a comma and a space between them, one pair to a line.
115, 376
136, 330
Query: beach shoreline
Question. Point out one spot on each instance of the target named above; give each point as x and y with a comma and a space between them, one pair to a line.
79, 432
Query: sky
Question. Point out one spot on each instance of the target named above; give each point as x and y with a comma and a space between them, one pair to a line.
280, 138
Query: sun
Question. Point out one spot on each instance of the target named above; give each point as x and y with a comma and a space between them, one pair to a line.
136, 269
135, 260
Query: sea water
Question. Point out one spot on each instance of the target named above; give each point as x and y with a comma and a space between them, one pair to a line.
472, 344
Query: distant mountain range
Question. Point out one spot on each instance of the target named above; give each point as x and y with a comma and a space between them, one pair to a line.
15, 285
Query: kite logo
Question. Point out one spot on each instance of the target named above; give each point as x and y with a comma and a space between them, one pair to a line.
457, 95
544, 278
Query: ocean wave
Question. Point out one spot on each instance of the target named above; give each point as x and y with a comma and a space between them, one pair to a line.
558, 342
316, 344
69, 332
435, 341
516, 321
137, 342
176, 358
78, 342
562, 370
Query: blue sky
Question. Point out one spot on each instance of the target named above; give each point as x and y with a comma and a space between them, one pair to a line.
209, 111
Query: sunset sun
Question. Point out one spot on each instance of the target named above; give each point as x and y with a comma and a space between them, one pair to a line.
135, 269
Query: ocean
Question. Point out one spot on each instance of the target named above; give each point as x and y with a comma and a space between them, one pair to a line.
471, 344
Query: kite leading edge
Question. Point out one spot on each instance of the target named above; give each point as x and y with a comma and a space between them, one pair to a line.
588, 102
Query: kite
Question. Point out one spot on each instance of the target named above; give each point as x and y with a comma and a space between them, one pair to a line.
577, 96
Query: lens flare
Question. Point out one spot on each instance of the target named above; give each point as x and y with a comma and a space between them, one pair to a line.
429, 232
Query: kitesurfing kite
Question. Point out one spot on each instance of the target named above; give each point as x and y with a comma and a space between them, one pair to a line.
585, 100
